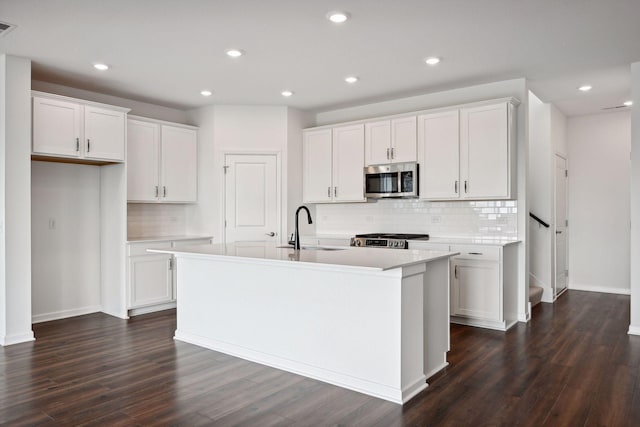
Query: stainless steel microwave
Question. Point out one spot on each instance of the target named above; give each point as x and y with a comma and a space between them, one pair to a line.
391, 180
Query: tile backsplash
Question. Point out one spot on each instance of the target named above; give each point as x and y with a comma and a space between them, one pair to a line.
441, 219
155, 220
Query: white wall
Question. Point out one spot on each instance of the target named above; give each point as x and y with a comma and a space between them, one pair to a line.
540, 196
599, 220
558, 131
516, 88
15, 200
634, 326
239, 129
296, 121
65, 224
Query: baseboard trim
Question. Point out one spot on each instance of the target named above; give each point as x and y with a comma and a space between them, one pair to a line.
634, 330
6, 340
602, 289
63, 314
152, 308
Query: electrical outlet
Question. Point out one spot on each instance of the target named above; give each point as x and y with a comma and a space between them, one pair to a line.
52, 223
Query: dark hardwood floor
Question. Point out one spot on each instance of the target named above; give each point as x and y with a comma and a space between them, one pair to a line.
573, 365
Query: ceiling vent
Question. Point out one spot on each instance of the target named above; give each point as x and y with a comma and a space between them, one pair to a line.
5, 28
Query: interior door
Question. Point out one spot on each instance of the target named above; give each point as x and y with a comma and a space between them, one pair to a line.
251, 198
561, 224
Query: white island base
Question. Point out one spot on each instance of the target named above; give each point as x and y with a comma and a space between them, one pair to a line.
381, 331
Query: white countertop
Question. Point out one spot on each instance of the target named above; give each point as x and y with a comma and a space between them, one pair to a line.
477, 240
360, 258
166, 238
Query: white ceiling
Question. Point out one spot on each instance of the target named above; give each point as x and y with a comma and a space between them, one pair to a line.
166, 51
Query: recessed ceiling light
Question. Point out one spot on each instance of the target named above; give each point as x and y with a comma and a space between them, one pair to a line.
432, 60
338, 17
234, 53
585, 88
287, 93
101, 67
351, 79
206, 93
627, 103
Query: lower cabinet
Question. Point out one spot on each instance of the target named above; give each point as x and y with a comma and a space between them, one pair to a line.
483, 282
151, 277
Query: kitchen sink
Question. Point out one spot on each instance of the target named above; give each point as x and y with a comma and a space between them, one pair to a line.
314, 248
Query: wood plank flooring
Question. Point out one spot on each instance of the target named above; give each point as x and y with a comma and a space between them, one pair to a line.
573, 365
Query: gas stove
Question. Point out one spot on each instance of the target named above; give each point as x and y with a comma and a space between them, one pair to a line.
386, 240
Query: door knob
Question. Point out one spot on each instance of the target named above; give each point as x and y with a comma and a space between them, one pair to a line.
272, 234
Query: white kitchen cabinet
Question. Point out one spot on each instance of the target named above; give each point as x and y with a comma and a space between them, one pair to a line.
484, 286
151, 280
468, 154
391, 141
439, 155
333, 162
74, 129
161, 162
487, 151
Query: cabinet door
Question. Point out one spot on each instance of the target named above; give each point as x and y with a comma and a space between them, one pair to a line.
377, 147
403, 140
484, 145
150, 280
104, 134
348, 163
179, 164
56, 127
475, 289
438, 136
143, 147
316, 164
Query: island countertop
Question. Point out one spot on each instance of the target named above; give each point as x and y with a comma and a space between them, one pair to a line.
375, 259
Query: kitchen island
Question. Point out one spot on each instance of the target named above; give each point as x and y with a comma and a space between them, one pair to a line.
371, 320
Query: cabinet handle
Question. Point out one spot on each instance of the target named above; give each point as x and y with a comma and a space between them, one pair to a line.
329, 192
88, 145
164, 191
157, 191
393, 153
475, 253
388, 154
455, 271
455, 187
77, 144
335, 191
465, 186
170, 263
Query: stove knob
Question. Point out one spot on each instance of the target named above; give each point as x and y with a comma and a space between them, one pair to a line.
358, 242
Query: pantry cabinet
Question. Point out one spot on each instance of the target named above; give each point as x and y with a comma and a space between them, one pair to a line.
161, 162
74, 129
391, 141
468, 153
333, 162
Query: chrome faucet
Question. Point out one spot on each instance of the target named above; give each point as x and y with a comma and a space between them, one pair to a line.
296, 241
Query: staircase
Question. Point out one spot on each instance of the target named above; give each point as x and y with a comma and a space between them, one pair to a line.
535, 294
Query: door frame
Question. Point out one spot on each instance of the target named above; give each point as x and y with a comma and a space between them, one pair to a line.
223, 213
566, 248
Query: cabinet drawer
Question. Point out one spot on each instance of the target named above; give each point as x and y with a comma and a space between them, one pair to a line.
488, 253
141, 248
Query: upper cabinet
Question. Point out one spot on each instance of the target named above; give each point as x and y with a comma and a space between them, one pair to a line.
468, 153
390, 141
78, 130
161, 162
333, 162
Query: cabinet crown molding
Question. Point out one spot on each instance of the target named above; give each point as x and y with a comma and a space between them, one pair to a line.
35, 93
